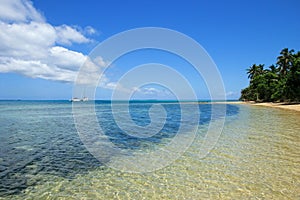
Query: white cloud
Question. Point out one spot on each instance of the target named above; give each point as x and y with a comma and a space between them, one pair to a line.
66, 59
232, 95
68, 35
89, 30
19, 11
30, 46
26, 40
36, 69
152, 92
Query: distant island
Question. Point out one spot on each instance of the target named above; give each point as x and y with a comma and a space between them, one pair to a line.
277, 83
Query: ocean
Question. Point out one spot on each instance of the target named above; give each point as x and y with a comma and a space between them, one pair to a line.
43, 157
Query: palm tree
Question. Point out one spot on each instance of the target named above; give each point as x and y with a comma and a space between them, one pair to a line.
254, 71
292, 83
273, 69
280, 82
284, 61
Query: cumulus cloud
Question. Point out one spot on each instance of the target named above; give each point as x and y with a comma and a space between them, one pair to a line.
92, 69
68, 35
152, 92
36, 69
26, 40
65, 59
32, 47
19, 11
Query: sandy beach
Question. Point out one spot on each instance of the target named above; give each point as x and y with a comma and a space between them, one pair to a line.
295, 107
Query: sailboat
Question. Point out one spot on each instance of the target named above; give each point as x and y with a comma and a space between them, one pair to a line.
75, 99
84, 98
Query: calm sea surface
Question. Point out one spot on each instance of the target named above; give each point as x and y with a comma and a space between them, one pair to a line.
42, 156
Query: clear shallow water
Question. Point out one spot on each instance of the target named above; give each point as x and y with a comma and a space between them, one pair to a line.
257, 156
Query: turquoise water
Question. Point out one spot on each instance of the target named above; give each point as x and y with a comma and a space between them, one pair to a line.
41, 155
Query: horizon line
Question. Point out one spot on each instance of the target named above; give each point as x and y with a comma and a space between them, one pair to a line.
187, 100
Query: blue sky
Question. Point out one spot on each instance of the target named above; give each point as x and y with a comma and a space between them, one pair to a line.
43, 43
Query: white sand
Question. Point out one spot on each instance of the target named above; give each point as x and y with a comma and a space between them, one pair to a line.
295, 107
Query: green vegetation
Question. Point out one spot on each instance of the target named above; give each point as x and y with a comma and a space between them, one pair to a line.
278, 83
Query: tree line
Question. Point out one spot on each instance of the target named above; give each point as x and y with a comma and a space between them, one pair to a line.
277, 83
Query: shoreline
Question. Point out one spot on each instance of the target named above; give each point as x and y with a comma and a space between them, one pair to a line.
286, 106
